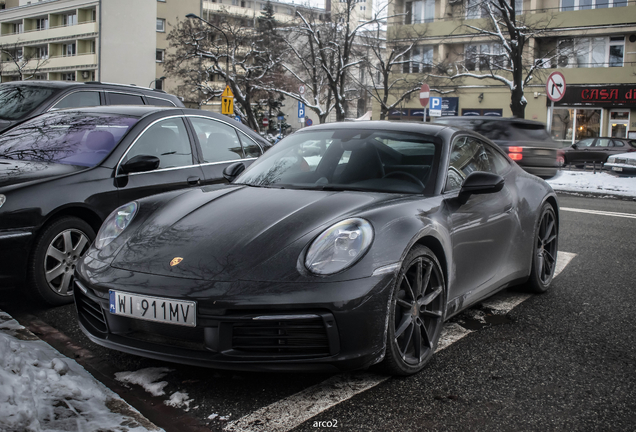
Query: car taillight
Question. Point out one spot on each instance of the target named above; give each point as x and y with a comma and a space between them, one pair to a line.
515, 153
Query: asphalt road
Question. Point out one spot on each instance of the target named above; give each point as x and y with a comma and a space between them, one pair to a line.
564, 360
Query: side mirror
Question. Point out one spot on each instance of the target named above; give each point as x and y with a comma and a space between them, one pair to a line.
140, 163
575, 146
480, 182
232, 171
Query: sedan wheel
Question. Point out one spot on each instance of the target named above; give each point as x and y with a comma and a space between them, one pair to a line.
55, 255
416, 314
545, 251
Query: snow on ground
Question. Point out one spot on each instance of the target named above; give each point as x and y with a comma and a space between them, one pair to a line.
179, 400
42, 390
588, 182
147, 378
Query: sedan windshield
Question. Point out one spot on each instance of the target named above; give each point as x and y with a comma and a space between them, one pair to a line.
18, 101
70, 138
348, 159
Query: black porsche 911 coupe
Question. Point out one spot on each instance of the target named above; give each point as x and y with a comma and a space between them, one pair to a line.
344, 246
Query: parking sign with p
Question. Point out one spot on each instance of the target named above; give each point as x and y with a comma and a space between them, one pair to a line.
435, 107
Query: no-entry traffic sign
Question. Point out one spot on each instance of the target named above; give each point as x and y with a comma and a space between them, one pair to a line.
555, 86
425, 93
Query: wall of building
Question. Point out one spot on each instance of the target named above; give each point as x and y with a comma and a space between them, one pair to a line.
128, 41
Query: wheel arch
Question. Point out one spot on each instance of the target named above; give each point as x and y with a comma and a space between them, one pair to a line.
436, 247
82, 212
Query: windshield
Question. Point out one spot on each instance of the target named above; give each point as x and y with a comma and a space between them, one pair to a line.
69, 138
347, 159
18, 101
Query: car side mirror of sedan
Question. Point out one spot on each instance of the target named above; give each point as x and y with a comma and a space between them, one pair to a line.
140, 163
575, 146
232, 171
480, 182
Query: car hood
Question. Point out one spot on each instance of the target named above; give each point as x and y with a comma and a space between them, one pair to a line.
236, 232
14, 172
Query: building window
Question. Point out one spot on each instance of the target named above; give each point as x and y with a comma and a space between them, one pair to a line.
591, 52
68, 50
42, 24
162, 1
69, 19
18, 28
160, 55
421, 60
478, 8
42, 52
421, 11
161, 25
570, 5
484, 57
69, 76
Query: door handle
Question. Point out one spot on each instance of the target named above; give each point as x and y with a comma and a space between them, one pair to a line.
194, 180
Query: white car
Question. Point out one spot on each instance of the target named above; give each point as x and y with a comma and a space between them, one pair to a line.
623, 163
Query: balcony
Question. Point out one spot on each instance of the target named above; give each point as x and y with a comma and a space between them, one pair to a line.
55, 63
53, 33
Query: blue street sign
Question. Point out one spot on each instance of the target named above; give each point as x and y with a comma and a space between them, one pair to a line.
301, 110
309, 122
435, 109
281, 118
238, 119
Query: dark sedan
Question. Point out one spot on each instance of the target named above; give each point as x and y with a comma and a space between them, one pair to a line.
62, 173
527, 142
343, 246
597, 150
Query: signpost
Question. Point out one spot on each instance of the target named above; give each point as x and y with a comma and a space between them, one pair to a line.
425, 92
265, 121
227, 101
435, 110
309, 122
301, 89
555, 89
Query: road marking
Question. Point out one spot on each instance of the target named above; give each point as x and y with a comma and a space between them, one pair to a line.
599, 212
286, 414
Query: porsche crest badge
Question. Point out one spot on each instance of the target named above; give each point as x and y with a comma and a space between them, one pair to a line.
175, 261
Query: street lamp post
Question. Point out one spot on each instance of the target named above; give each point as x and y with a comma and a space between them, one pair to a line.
155, 81
227, 42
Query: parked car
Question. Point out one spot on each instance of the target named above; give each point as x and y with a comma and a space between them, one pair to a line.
623, 163
527, 142
597, 150
23, 99
340, 264
63, 172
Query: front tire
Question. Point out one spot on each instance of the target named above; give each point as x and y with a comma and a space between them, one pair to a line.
54, 257
544, 252
416, 313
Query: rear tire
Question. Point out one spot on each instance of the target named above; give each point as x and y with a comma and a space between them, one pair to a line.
53, 259
416, 313
544, 251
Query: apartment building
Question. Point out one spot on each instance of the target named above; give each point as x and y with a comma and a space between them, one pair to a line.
78, 40
592, 42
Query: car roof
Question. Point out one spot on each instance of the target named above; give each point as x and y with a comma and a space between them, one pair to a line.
69, 84
133, 110
400, 126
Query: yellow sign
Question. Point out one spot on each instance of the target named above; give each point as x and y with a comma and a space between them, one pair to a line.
227, 92
175, 261
227, 105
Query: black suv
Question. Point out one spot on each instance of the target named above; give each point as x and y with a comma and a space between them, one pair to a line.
527, 142
23, 99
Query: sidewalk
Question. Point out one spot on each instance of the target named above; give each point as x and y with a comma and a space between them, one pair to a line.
600, 184
42, 390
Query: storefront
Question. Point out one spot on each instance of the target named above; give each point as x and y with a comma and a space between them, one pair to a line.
593, 110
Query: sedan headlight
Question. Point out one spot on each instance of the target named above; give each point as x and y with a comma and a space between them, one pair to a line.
611, 159
2, 199
115, 224
339, 247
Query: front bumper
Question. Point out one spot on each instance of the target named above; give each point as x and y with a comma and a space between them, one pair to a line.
14, 256
620, 168
325, 327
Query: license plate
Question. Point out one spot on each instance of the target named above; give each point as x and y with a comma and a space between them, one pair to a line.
544, 152
153, 308
617, 169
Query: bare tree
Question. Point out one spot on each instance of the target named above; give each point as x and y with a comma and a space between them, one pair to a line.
507, 59
23, 61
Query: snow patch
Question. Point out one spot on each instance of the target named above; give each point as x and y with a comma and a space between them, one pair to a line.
179, 400
581, 181
147, 378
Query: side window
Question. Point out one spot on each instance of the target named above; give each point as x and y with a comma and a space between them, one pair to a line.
159, 102
79, 99
585, 143
603, 142
497, 162
125, 99
219, 142
618, 143
166, 139
252, 150
467, 155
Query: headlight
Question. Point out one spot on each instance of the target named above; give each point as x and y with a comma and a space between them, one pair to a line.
611, 159
629, 161
2, 199
339, 247
115, 224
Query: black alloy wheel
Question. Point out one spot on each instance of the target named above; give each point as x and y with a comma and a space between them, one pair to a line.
545, 248
416, 314
55, 254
